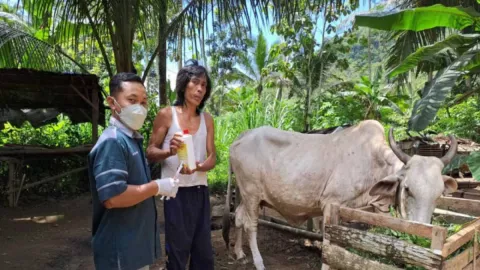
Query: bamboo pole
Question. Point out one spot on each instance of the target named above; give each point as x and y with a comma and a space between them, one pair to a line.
287, 228
6, 151
296, 231
48, 179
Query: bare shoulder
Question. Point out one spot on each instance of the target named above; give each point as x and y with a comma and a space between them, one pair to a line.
208, 118
164, 116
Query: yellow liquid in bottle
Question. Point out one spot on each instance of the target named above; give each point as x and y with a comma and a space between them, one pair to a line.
182, 154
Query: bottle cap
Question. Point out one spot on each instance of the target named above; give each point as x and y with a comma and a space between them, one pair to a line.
185, 131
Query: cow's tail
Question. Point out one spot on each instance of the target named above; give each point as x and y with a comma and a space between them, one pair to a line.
226, 211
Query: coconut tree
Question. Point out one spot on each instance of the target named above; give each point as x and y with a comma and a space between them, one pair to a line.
19, 48
119, 22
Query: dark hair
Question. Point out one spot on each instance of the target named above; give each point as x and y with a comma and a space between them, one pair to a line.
184, 76
116, 81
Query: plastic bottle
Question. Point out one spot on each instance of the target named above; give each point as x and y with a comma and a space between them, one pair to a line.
186, 152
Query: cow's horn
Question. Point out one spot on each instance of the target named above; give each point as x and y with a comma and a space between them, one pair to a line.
451, 151
403, 211
396, 149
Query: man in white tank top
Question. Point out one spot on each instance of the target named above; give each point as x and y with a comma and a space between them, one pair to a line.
187, 216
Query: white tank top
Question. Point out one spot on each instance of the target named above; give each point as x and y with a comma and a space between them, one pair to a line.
170, 165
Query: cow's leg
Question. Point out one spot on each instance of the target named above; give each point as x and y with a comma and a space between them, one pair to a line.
239, 226
251, 226
257, 258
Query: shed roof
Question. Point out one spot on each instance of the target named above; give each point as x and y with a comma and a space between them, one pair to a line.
38, 96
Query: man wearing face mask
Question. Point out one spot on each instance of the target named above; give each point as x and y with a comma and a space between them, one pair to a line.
125, 234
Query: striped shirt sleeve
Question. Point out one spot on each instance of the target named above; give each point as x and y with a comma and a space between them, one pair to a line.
110, 170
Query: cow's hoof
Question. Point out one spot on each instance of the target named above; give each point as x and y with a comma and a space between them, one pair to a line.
240, 255
259, 266
243, 260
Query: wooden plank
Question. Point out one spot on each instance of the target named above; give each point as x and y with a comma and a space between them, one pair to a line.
406, 226
15, 151
340, 258
457, 240
327, 220
438, 239
452, 217
471, 266
11, 183
397, 250
465, 206
95, 115
92, 104
48, 179
460, 261
296, 231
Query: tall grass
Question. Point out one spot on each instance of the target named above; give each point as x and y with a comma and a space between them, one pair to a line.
244, 113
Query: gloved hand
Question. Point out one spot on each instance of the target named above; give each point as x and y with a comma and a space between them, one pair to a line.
167, 187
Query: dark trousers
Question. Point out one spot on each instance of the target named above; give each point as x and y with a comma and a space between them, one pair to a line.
187, 229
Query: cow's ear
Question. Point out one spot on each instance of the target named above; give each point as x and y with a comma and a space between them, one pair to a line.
387, 186
450, 184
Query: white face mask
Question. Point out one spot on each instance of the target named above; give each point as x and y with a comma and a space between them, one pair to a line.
132, 115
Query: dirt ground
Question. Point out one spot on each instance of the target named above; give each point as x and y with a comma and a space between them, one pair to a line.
65, 244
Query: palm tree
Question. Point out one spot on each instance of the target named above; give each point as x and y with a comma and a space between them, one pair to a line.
119, 22
254, 63
19, 48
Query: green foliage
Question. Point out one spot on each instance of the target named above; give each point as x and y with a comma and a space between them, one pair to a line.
435, 92
59, 134
428, 53
463, 47
463, 120
247, 111
473, 162
419, 19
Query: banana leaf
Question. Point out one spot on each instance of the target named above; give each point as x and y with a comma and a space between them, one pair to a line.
435, 92
428, 53
419, 19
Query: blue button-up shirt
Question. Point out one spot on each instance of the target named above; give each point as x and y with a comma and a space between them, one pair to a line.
123, 238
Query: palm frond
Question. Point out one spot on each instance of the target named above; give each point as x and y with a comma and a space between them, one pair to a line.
19, 49
261, 52
14, 21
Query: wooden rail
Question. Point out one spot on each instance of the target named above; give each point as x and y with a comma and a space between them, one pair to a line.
440, 254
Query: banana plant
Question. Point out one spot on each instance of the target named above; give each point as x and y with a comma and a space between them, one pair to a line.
462, 50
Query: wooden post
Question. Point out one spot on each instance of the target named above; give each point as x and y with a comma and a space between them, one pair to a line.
330, 217
11, 182
439, 234
310, 225
95, 114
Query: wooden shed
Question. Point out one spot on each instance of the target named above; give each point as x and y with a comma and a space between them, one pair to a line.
38, 97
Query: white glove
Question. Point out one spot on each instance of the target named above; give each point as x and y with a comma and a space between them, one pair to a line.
167, 187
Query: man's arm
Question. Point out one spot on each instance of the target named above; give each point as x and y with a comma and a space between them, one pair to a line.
162, 122
211, 160
111, 178
132, 196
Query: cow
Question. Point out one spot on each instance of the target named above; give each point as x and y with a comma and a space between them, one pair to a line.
298, 175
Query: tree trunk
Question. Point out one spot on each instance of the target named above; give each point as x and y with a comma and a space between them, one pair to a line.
394, 249
180, 41
279, 92
339, 258
162, 54
369, 47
